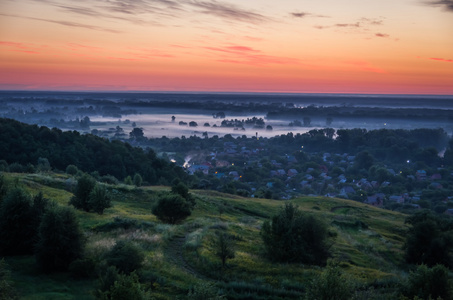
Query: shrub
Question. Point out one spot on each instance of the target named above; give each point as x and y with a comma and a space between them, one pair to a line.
124, 287
428, 283
99, 199
204, 291
128, 180
330, 284
138, 180
109, 179
295, 237
82, 268
7, 290
16, 238
82, 192
224, 247
172, 209
125, 256
16, 168
71, 170
60, 240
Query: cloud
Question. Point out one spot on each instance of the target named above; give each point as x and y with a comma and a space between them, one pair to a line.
441, 59
229, 12
383, 35
249, 56
447, 4
306, 14
18, 47
365, 66
357, 24
65, 23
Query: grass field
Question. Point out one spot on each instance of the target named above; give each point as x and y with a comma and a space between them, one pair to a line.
367, 242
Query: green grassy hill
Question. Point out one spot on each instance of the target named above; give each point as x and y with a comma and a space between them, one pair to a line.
366, 240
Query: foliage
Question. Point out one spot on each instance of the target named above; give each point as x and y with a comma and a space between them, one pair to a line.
204, 291
71, 170
182, 190
125, 256
81, 199
295, 237
99, 199
172, 209
331, 284
60, 239
128, 180
125, 287
428, 283
16, 236
7, 290
138, 180
429, 240
224, 247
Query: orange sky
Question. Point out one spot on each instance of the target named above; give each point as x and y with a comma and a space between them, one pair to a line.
345, 46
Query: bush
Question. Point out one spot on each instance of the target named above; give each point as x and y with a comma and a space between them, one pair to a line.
71, 170
172, 209
124, 287
138, 180
204, 291
128, 180
428, 283
82, 268
82, 192
16, 238
99, 199
330, 284
429, 240
125, 256
7, 290
295, 237
60, 240
16, 168
109, 179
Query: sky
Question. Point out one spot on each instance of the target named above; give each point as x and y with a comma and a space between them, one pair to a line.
294, 46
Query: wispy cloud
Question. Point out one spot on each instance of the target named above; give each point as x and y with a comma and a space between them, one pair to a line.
306, 14
357, 24
446, 4
229, 12
65, 23
382, 35
18, 47
441, 59
365, 66
246, 55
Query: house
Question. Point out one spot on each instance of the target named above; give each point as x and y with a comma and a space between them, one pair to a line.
421, 175
292, 172
198, 168
281, 172
374, 201
396, 198
436, 185
436, 176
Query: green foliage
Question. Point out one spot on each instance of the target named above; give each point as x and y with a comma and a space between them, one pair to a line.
428, 283
16, 238
182, 190
82, 268
125, 256
7, 290
204, 291
43, 164
429, 240
295, 237
71, 170
99, 199
224, 247
331, 284
60, 239
172, 209
81, 199
3, 187
128, 180
138, 180
125, 287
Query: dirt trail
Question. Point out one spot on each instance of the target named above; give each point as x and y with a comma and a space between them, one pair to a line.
174, 251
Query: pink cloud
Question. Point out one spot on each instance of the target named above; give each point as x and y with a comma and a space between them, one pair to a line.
383, 35
18, 47
242, 48
441, 59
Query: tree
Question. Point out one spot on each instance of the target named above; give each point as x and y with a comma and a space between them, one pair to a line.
429, 240
193, 124
428, 283
138, 180
127, 287
294, 237
60, 239
16, 238
99, 199
125, 256
81, 198
363, 160
172, 209
7, 290
128, 180
224, 247
71, 170
331, 284
136, 133
307, 121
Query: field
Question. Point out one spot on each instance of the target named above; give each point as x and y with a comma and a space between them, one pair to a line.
367, 242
